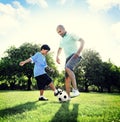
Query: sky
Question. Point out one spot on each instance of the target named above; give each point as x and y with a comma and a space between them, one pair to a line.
35, 21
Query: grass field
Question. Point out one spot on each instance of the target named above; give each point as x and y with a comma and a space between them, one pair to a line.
23, 106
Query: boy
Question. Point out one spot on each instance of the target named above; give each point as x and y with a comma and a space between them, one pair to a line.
40, 74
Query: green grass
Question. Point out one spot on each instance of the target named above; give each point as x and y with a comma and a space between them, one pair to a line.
23, 106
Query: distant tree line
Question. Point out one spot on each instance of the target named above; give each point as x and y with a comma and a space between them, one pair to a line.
92, 73
96, 75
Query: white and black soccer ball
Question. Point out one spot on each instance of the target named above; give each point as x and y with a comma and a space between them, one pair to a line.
62, 96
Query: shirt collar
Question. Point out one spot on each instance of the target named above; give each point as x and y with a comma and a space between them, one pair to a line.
64, 34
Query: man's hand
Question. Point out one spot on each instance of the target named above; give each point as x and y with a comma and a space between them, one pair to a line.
58, 60
75, 55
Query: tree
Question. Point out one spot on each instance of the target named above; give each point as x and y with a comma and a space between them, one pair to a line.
10, 69
92, 67
111, 75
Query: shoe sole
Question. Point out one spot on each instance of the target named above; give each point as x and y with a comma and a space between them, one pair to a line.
74, 96
42, 100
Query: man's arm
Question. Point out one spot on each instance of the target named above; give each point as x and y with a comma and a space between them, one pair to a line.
81, 46
58, 53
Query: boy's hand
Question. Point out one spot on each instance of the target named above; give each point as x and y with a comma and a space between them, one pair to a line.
49, 70
21, 63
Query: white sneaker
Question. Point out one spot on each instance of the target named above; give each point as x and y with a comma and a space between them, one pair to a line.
69, 98
75, 93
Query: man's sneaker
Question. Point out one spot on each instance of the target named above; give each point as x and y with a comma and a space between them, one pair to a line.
69, 98
43, 99
75, 93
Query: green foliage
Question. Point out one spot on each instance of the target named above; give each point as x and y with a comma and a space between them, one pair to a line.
90, 72
90, 68
111, 76
17, 106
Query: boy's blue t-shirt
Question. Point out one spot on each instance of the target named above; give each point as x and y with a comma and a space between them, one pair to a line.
39, 61
69, 44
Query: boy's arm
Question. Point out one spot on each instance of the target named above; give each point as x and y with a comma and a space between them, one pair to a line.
24, 62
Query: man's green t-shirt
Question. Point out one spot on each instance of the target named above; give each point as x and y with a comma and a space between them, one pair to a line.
69, 44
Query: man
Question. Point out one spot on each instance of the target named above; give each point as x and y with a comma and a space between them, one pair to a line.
39, 70
72, 53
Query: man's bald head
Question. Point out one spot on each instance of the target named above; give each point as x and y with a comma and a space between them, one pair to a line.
61, 30
60, 26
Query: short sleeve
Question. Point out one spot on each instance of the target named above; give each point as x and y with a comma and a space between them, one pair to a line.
34, 58
75, 37
61, 44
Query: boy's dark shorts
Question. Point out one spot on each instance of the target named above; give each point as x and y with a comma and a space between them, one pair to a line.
72, 62
42, 81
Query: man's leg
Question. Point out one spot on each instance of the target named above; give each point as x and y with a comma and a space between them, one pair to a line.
72, 77
67, 85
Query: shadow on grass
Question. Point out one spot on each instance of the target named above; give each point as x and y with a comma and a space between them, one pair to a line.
18, 109
64, 114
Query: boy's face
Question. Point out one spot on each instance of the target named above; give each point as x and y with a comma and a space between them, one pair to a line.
44, 52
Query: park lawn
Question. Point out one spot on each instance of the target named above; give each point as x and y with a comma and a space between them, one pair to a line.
23, 106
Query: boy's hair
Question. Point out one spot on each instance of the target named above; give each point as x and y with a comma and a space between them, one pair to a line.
45, 47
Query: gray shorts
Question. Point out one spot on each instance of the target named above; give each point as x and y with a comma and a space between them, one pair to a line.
72, 62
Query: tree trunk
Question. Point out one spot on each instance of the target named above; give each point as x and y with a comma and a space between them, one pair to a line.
86, 87
29, 83
109, 89
100, 89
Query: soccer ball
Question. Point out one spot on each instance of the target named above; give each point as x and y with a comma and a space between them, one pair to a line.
62, 96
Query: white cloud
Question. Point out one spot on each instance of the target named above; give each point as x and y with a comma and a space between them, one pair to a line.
41, 3
62, 2
13, 10
37, 29
97, 5
11, 17
66, 2
115, 28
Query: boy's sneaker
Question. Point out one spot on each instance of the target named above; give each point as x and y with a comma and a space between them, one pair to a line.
42, 99
75, 93
57, 92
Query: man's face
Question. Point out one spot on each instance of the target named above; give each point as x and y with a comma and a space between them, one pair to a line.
61, 31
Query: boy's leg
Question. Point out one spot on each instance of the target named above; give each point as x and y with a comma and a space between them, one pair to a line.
41, 92
51, 85
41, 96
41, 87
